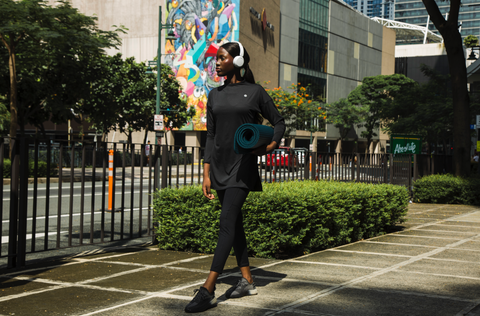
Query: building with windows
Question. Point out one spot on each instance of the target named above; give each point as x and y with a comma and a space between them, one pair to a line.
414, 12
374, 8
337, 48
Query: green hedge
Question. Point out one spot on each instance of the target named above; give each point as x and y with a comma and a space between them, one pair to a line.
41, 172
286, 219
447, 189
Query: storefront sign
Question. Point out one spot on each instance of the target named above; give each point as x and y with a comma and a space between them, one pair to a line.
405, 144
263, 18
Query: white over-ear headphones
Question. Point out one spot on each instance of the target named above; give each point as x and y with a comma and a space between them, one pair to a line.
238, 61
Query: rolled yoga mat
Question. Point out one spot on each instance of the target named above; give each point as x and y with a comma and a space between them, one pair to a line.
250, 136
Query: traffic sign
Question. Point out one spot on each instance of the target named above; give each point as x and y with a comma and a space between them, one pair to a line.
473, 126
158, 123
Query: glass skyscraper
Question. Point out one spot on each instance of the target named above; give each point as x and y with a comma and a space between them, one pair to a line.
374, 8
414, 12
313, 46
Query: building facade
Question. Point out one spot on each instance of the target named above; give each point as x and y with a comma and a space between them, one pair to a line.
414, 12
337, 48
374, 8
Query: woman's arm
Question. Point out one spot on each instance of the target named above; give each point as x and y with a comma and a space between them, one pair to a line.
270, 112
263, 150
206, 182
208, 151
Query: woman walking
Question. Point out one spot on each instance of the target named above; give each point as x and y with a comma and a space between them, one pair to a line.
232, 175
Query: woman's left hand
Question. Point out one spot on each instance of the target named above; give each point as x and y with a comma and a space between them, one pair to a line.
260, 151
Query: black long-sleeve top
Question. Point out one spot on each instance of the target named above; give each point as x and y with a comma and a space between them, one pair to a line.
228, 107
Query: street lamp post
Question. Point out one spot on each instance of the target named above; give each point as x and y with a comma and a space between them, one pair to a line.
157, 106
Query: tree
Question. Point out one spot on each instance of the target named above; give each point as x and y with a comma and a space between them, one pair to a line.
458, 72
45, 66
470, 41
102, 106
298, 109
173, 105
123, 96
4, 116
374, 96
344, 115
424, 110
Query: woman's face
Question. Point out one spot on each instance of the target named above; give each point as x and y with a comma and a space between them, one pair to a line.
224, 64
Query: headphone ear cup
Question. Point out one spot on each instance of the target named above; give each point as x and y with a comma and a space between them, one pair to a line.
238, 61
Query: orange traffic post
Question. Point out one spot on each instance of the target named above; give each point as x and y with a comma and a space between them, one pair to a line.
110, 180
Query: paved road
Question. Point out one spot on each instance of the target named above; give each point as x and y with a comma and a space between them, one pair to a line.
429, 267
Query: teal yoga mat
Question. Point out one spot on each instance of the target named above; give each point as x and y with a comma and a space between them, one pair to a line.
251, 136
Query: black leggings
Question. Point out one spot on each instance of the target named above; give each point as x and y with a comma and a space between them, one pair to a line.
231, 229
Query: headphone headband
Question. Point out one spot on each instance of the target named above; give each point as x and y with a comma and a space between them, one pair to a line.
241, 48
238, 61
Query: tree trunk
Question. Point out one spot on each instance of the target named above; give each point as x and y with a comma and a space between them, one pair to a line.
461, 104
13, 94
458, 73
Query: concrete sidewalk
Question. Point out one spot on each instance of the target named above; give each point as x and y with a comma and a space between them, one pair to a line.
430, 267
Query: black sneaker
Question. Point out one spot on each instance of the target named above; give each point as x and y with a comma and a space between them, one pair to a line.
242, 288
202, 301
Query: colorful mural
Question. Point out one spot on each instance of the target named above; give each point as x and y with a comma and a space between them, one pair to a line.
201, 27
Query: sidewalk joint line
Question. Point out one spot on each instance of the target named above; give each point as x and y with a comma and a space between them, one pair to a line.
441, 231
332, 264
420, 236
371, 253
439, 274
397, 244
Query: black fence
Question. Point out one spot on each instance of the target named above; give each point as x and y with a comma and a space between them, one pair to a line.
61, 194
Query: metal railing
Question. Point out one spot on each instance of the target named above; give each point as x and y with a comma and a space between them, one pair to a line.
57, 194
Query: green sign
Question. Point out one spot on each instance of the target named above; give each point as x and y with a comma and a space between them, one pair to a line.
405, 144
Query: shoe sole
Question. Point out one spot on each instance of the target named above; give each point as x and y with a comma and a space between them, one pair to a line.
212, 304
250, 292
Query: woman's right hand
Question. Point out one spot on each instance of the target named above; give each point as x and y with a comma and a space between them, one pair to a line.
206, 182
206, 188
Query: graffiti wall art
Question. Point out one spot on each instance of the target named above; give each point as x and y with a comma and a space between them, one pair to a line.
200, 28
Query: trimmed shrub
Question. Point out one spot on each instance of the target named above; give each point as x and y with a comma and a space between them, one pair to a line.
447, 189
7, 168
286, 219
41, 172
42, 169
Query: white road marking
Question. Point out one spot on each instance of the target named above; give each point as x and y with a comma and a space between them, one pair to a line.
29, 236
85, 214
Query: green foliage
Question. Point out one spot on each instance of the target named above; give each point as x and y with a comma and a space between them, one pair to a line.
375, 95
344, 115
42, 170
4, 116
123, 96
7, 168
300, 110
174, 107
425, 109
286, 219
470, 41
50, 76
447, 189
